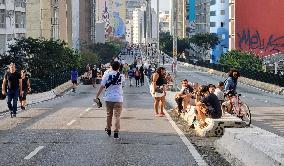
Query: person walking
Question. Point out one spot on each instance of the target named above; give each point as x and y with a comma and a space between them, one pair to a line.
137, 76
130, 76
74, 78
113, 82
141, 71
26, 87
158, 90
14, 81
94, 75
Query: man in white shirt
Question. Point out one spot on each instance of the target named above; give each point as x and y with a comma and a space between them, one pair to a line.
113, 82
219, 92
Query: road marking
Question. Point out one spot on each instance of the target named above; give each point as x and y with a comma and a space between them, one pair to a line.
197, 157
33, 152
70, 123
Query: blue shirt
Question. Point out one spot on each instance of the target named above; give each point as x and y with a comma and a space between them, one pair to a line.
230, 84
131, 73
74, 75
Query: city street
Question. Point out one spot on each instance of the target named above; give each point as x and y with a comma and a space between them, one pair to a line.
266, 108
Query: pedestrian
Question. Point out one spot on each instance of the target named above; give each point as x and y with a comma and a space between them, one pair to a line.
137, 76
130, 76
113, 82
141, 71
163, 58
158, 90
94, 76
74, 78
26, 88
14, 81
149, 73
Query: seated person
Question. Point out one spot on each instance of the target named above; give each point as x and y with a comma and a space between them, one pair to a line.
212, 88
208, 107
182, 98
219, 92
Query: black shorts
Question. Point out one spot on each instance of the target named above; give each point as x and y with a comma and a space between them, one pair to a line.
24, 97
74, 81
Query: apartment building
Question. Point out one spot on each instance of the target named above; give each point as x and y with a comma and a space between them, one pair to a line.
165, 21
219, 24
202, 12
139, 25
12, 22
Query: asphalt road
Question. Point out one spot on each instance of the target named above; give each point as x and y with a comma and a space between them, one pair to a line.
70, 131
267, 108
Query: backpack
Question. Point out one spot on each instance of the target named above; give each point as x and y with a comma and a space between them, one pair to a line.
137, 73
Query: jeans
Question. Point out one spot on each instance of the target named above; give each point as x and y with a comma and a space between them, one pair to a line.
12, 95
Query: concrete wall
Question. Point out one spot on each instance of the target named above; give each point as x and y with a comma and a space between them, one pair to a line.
259, 26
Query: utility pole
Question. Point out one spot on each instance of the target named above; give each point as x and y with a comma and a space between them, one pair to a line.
148, 17
158, 30
174, 24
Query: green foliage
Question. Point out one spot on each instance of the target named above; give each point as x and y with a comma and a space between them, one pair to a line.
205, 40
104, 52
43, 57
239, 59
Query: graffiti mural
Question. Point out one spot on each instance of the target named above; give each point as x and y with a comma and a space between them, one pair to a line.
253, 40
113, 14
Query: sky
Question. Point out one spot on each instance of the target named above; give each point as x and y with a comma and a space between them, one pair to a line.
164, 4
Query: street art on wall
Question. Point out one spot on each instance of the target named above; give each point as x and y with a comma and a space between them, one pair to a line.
258, 31
113, 15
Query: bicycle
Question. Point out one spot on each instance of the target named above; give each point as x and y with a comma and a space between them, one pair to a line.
239, 109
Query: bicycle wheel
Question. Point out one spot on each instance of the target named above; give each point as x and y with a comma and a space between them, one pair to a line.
246, 115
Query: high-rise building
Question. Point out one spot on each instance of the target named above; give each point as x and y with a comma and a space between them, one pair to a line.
139, 25
219, 24
12, 22
181, 17
129, 30
113, 13
131, 5
190, 8
43, 18
202, 12
165, 21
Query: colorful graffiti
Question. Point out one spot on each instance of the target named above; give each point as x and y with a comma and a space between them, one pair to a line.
113, 16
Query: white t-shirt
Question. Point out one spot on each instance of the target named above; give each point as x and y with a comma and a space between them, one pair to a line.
219, 94
114, 92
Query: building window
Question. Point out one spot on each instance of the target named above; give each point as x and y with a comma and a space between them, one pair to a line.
2, 18
20, 3
212, 13
222, 24
10, 37
2, 2
212, 24
20, 19
212, 2
222, 12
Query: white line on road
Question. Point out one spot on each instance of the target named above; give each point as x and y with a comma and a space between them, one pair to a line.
197, 157
33, 152
70, 123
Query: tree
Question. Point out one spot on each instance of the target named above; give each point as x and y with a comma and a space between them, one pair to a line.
240, 59
204, 41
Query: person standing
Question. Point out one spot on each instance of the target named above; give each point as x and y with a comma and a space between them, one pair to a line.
130, 76
137, 76
94, 76
141, 71
113, 82
26, 87
74, 78
14, 81
158, 90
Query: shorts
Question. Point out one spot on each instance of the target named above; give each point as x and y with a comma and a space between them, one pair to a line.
74, 81
213, 115
24, 97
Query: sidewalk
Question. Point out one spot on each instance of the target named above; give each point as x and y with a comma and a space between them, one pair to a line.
39, 97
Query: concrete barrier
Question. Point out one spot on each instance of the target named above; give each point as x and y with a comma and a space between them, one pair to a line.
251, 146
258, 84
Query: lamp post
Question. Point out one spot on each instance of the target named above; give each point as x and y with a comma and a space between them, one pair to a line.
174, 25
158, 30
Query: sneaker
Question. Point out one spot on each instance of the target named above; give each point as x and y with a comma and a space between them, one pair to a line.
108, 131
115, 135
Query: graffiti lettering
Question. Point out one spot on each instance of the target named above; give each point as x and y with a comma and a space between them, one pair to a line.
253, 41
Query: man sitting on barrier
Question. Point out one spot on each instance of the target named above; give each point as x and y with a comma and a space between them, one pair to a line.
209, 106
182, 98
